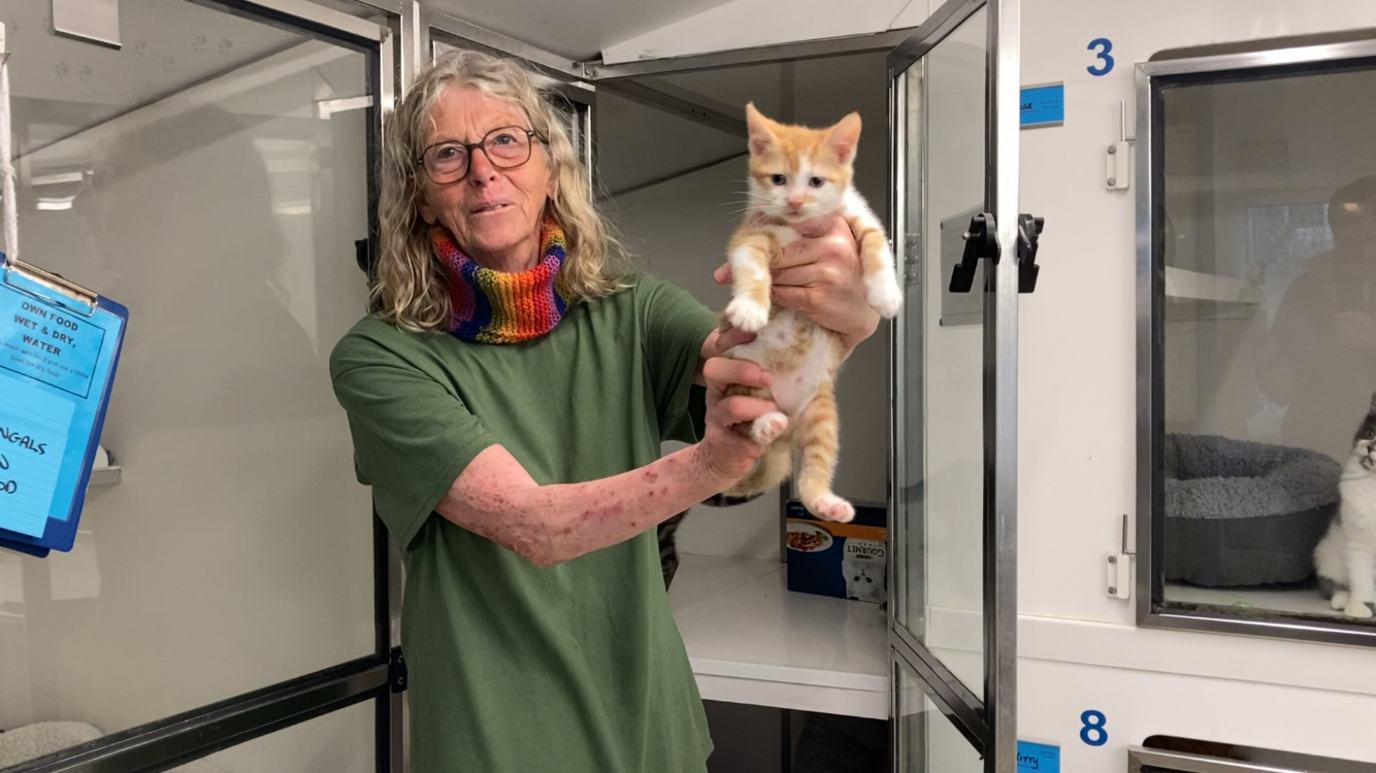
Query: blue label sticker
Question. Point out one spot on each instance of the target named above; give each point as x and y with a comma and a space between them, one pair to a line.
1038, 758
1042, 106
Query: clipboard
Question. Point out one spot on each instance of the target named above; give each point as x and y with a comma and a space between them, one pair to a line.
59, 348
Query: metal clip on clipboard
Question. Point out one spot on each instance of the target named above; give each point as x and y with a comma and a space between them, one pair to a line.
50, 287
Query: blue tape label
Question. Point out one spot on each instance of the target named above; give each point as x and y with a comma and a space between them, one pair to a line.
1038, 758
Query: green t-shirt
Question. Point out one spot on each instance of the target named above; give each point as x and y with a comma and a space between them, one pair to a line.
576, 668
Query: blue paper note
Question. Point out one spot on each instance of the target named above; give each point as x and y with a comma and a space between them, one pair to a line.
1038, 758
33, 441
58, 353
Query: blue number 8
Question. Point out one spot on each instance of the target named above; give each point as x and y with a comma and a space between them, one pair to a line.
1093, 732
1103, 56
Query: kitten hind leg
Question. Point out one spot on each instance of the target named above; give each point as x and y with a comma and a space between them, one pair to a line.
818, 428
773, 468
768, 427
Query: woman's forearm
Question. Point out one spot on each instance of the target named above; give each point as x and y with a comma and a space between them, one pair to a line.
547, 525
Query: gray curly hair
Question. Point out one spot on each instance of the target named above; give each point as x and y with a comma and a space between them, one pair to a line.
411, 288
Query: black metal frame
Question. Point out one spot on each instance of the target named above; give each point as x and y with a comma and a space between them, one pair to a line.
1168, 754
381, 676
1153, 610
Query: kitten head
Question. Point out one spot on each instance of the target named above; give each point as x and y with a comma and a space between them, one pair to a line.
798, 173
1364, 442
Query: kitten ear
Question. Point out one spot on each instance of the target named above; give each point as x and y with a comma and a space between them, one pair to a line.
761, 134
843, 138
1372, 410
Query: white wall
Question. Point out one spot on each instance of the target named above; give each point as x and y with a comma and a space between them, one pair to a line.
236, 551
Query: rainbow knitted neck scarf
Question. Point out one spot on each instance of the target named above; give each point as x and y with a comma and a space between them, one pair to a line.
497, 307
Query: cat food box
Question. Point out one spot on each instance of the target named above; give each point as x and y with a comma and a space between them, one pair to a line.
845, 560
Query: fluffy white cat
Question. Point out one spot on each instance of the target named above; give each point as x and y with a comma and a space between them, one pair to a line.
1346, 556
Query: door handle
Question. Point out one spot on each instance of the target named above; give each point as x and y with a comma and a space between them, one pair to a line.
1029, 229
981, 241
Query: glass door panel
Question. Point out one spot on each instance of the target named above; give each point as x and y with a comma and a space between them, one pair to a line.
940, 387
212, 182
955, 100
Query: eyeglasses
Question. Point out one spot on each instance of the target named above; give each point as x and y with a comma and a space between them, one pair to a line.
506, 148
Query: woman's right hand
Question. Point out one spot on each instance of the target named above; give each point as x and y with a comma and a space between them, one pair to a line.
726, 452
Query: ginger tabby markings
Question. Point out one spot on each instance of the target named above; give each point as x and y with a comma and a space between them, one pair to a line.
797, 175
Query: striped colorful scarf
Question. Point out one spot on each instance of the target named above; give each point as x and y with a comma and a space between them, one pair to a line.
497, 307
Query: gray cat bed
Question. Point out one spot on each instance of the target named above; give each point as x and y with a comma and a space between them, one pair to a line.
1240, 513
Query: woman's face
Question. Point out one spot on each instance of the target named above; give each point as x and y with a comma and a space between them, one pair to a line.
494, 214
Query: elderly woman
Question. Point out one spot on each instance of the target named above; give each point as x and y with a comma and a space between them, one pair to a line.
508, 397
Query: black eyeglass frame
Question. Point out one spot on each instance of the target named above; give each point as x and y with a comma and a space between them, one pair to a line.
470, 147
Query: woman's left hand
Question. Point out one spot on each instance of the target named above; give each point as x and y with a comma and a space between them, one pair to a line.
819, 277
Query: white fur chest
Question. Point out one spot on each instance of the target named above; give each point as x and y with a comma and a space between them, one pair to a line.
1358, 489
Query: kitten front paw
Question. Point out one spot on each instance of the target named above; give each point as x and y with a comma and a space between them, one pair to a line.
747, 315
884, 295
1339, 600
768, 427
830, 507
1357, 609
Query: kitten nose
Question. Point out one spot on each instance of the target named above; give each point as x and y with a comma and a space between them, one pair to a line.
795, 202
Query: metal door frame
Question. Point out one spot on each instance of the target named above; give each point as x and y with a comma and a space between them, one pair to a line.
989, 724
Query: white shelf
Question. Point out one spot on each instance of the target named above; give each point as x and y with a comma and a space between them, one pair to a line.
1299, 601
750, 640
1195, 286
104, 476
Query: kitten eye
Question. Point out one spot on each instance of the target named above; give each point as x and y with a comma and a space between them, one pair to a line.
1369, 434
778, 179
816, 182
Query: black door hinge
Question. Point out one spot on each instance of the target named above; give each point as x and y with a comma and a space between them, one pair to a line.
396, 671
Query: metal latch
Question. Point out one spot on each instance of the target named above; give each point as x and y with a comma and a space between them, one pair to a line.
1119, 568
1029, 229
396, 671
981, 241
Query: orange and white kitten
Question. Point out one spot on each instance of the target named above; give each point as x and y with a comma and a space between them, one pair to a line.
799, 174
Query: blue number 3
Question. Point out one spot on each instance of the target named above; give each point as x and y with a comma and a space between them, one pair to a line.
1093, 732
1103, 56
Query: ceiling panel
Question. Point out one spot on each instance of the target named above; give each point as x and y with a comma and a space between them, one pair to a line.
578, 30
60, 86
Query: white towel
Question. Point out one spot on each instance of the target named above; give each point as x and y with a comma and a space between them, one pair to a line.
33, 741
